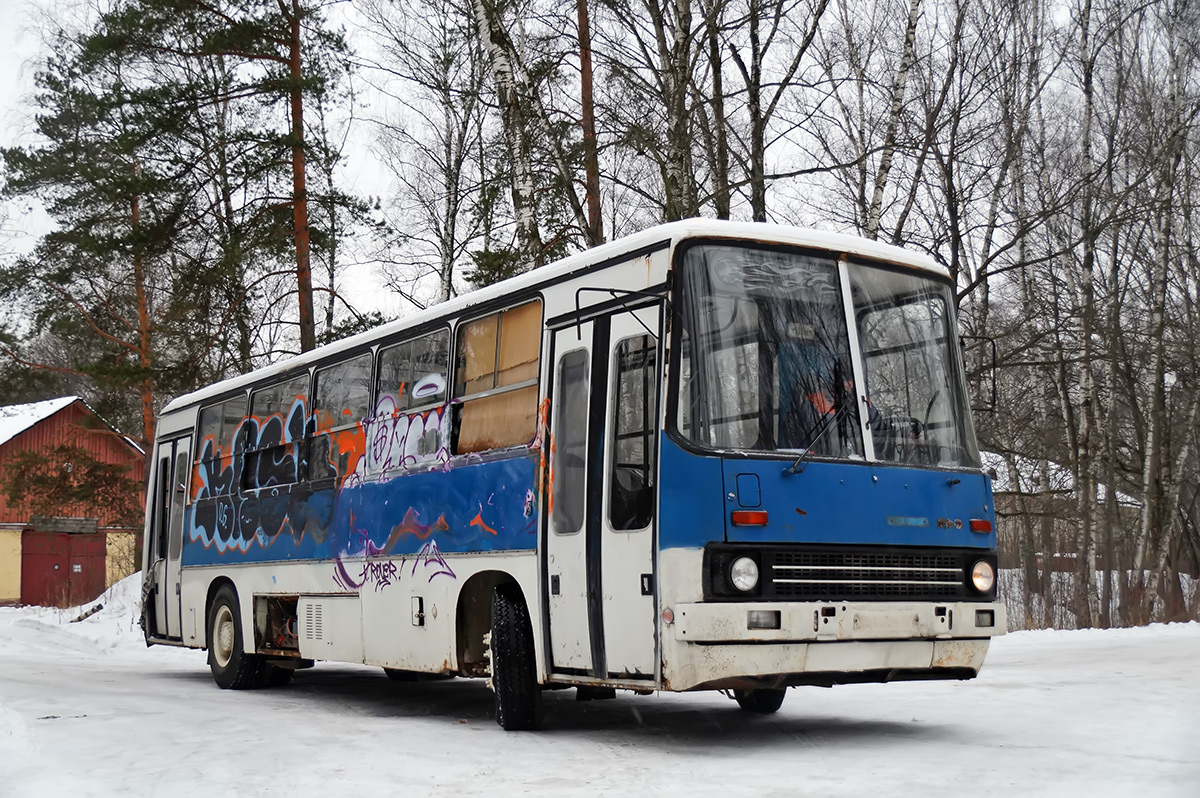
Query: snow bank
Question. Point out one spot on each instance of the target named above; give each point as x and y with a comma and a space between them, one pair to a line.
111, 629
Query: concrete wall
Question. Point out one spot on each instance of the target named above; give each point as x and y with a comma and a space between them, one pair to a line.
10, 566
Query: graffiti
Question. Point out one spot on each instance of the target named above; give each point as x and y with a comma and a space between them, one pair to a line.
380, 573
265, 456
279, 489
396, 442
431, 559
479, 522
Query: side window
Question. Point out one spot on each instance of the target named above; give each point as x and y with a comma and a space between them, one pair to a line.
275, 450
569, 458
495, 379
221, 438
631, 481
413, 374
341, 399
179, 497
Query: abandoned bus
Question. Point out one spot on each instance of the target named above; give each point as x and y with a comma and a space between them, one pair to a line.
708, 456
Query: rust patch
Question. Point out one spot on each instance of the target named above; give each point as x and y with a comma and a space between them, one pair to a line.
801, 512
954, 654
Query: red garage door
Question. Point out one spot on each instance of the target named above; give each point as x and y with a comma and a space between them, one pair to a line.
60, 569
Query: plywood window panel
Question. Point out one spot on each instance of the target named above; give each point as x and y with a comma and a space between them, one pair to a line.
520, 342
496, 371
498, 421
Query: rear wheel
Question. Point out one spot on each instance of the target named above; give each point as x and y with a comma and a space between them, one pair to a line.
232, 668
761, 701
514, 672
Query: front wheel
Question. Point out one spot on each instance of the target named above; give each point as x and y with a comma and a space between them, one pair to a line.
514, 672
761, 701
232, 668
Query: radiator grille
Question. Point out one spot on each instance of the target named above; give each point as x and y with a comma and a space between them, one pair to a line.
856, 574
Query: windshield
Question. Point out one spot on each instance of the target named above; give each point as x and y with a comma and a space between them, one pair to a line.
913, 381
765, 359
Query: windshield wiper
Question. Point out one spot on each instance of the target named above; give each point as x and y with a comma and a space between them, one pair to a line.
802, 461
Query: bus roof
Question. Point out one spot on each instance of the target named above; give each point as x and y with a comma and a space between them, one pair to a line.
666, 234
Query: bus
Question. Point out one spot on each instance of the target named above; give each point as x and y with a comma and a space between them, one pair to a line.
709, 456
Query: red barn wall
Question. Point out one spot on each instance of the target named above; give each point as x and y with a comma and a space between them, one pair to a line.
78, 426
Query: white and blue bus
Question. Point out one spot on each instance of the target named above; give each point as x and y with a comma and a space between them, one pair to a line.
708, 456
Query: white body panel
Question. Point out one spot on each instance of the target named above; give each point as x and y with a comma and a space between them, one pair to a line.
373, 626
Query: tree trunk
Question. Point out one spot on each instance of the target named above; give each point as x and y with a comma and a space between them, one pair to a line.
308, 333
512, 116
591, 162
875, 210
144, 333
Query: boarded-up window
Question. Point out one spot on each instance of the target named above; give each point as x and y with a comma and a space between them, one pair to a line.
275, 452
413, 374
496, 375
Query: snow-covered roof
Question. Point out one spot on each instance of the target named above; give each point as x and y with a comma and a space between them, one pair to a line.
15, 419
672, 232
1026, 477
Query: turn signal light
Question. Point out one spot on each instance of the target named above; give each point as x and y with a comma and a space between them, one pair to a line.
981, 525
749, 518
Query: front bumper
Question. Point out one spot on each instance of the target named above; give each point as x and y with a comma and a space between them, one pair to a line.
728, 622
709, 645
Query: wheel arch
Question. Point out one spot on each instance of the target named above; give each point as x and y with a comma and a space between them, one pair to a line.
214, 586
473, 619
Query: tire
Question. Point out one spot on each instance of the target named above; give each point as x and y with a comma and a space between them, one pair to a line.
514, 672
232, 668
761, 701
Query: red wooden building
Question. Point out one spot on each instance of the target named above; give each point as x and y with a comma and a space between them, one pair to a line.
72, 554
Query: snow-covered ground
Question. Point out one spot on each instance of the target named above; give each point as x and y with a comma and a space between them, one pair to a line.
86, 709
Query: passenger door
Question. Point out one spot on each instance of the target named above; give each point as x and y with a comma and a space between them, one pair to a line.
599, 564
626, 497
171, 480
571, 458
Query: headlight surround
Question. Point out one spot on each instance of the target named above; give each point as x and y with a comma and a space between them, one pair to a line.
743, 574
983, 576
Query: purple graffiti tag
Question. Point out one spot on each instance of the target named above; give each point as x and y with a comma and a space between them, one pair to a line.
430, 558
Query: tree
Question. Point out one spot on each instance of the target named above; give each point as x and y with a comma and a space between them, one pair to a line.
278, 53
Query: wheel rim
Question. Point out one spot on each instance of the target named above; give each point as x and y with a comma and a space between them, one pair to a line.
223, 634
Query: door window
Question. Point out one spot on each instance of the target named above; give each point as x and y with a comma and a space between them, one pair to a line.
631, 478
569, 461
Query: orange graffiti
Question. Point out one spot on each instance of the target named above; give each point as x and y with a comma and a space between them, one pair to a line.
478, 521
411, 526
545, 475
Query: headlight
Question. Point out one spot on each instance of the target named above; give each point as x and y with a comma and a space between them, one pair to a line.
983, 576
744, 574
